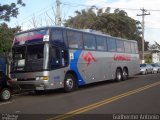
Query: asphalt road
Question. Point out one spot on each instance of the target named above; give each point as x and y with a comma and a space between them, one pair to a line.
105, 100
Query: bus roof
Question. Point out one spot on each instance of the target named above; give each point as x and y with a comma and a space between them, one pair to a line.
90, 31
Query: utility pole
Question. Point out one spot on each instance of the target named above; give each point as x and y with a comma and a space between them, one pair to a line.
58, 13
143, 27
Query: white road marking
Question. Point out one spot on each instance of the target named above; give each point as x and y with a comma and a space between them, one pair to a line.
5, 103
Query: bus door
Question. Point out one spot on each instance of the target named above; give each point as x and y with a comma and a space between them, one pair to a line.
58, 62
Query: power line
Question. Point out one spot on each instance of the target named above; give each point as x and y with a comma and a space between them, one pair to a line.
134, 9
47, 9
151, 28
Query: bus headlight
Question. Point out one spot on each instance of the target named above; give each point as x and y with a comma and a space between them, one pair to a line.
42, 78
14, 79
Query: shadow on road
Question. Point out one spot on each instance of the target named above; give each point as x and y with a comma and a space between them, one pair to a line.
61, 91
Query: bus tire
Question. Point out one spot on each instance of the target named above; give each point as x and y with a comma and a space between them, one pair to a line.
125, 74
118, 76
69, 83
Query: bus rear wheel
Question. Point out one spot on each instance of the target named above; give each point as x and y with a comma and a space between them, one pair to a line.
125, 74
69, 83
118, 75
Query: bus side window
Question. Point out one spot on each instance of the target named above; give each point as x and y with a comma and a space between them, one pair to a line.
133, 50
127, 46
136, 47
101, 43
89, 42
65, 60
111, 44
59, 58
74, 39
55, 58
120, 45
57, 37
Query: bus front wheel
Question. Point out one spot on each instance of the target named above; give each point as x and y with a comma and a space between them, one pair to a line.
69, 83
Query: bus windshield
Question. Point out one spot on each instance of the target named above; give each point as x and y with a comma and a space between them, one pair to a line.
28, 58
30, 37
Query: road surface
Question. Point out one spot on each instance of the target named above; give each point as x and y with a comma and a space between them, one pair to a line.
135, 98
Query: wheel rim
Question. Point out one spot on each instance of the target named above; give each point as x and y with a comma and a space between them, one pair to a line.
119, 76
124, 74
6, 94
69, 83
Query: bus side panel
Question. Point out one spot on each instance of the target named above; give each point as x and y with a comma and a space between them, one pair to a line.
56, 78
76, 65
94, 66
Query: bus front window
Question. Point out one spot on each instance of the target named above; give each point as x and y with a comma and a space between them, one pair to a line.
18, 62
35, 52
35, 55
29, 58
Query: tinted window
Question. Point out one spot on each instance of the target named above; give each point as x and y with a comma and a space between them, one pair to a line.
133, 48
136, 47
33, 36
55, 58
120, 45
57, 36
111, 44
35, 52
19, 56
74, 39
58, 57
127, 47
143, 65
65, 37
101, 43
35, 57
89, 42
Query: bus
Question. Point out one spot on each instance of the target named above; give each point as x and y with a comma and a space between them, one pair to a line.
60, 57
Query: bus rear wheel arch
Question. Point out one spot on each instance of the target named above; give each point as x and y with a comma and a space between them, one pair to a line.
70, 82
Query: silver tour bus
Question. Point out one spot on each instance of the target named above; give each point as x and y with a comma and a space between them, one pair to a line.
58, 57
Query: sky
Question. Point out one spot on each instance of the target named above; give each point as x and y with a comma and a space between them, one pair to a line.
39, 13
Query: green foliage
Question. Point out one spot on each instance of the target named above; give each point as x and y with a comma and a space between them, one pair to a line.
148, 58
117, 24
6, 37
6, 34
8, 11
82, 20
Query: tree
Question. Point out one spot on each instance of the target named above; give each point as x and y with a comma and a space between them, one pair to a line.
83, 19
8, 11
6, 33
6, 37
154, 47
117, 24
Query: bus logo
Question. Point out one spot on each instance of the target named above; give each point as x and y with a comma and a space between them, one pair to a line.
88, 57
122, 57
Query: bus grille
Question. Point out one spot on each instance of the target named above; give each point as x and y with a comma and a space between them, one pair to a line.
29, 79
27, 87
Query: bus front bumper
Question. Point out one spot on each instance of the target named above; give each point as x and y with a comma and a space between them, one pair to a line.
31, 85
